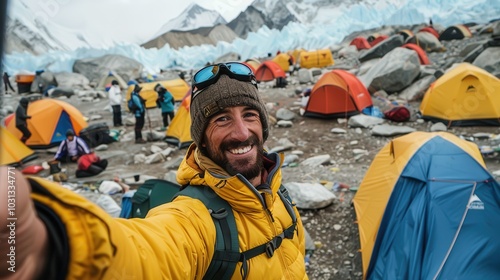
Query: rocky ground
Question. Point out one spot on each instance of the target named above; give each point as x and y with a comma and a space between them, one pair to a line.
333, 228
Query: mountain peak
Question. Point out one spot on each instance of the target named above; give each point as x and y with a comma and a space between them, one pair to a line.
193, 17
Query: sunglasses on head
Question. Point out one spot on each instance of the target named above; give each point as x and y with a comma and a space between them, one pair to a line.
209, 75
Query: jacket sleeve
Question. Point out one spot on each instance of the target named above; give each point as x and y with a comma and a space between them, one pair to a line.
60, 149
23, 113
138, 103
83, 146
173, 242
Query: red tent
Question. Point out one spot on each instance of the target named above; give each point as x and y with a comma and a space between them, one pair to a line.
422, 55
337, 93
378, 39
430, 30
361, 43
268, 71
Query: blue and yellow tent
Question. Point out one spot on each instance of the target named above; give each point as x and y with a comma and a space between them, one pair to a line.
50, 119
428, 208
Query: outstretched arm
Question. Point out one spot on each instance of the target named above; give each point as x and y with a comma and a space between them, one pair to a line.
79, 240
23, 236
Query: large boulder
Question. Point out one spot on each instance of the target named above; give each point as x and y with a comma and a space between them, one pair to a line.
427, 42
95, 68
72, 80
43, 81
382, 48
489, 60
394, 72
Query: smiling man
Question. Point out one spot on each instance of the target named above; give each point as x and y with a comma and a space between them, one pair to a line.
180, 239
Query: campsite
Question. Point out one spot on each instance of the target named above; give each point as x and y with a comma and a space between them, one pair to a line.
346, 150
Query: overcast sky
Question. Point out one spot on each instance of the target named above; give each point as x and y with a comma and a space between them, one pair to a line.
142, 18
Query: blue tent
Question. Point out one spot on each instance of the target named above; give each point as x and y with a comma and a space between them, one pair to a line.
442, 217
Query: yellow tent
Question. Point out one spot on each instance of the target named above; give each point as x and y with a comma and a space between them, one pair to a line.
465, 95
282, 60
384, 172
178, 88
296, 53
12, 150
179, 130
319, 58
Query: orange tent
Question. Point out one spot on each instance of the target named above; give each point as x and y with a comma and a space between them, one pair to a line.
337, 93
12, 150
50, 120
361, 43
422, 55
268, 71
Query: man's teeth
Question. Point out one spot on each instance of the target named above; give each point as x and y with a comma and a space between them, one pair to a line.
241, 150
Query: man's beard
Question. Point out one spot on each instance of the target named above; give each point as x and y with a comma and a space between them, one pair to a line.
245, 167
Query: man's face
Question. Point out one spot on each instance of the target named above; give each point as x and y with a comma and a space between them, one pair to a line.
233, 140
70, 137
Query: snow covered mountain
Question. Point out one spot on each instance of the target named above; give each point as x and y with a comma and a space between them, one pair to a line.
193, 17
31, 29
37, 42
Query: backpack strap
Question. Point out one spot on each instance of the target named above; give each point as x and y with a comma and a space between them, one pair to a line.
227, 252
274, 243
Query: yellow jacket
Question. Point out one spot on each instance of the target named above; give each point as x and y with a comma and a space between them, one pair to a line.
176, 240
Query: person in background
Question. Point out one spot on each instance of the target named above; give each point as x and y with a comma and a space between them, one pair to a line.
166, 102
176, 240
71, 148
115, 100
139, 113
6, 83
22, 117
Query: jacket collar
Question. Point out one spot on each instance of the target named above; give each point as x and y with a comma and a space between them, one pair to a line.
196, 169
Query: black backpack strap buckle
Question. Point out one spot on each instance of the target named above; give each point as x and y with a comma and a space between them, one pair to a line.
270, 247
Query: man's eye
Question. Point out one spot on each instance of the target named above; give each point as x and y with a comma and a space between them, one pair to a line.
222, 119
251, 114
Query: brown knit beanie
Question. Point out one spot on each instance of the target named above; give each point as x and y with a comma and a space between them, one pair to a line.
226, 92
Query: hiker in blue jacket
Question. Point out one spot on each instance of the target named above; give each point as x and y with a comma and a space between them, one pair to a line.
166, 102
139, 113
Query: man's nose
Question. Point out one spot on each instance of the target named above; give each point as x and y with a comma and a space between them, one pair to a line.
239, 129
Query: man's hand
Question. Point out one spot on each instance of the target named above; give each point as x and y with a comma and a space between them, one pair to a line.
23, 236
74, 158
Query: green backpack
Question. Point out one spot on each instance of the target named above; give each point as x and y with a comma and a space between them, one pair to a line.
226, 256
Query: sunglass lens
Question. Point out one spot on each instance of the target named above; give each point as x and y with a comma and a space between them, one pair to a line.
205, 74
239, 68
